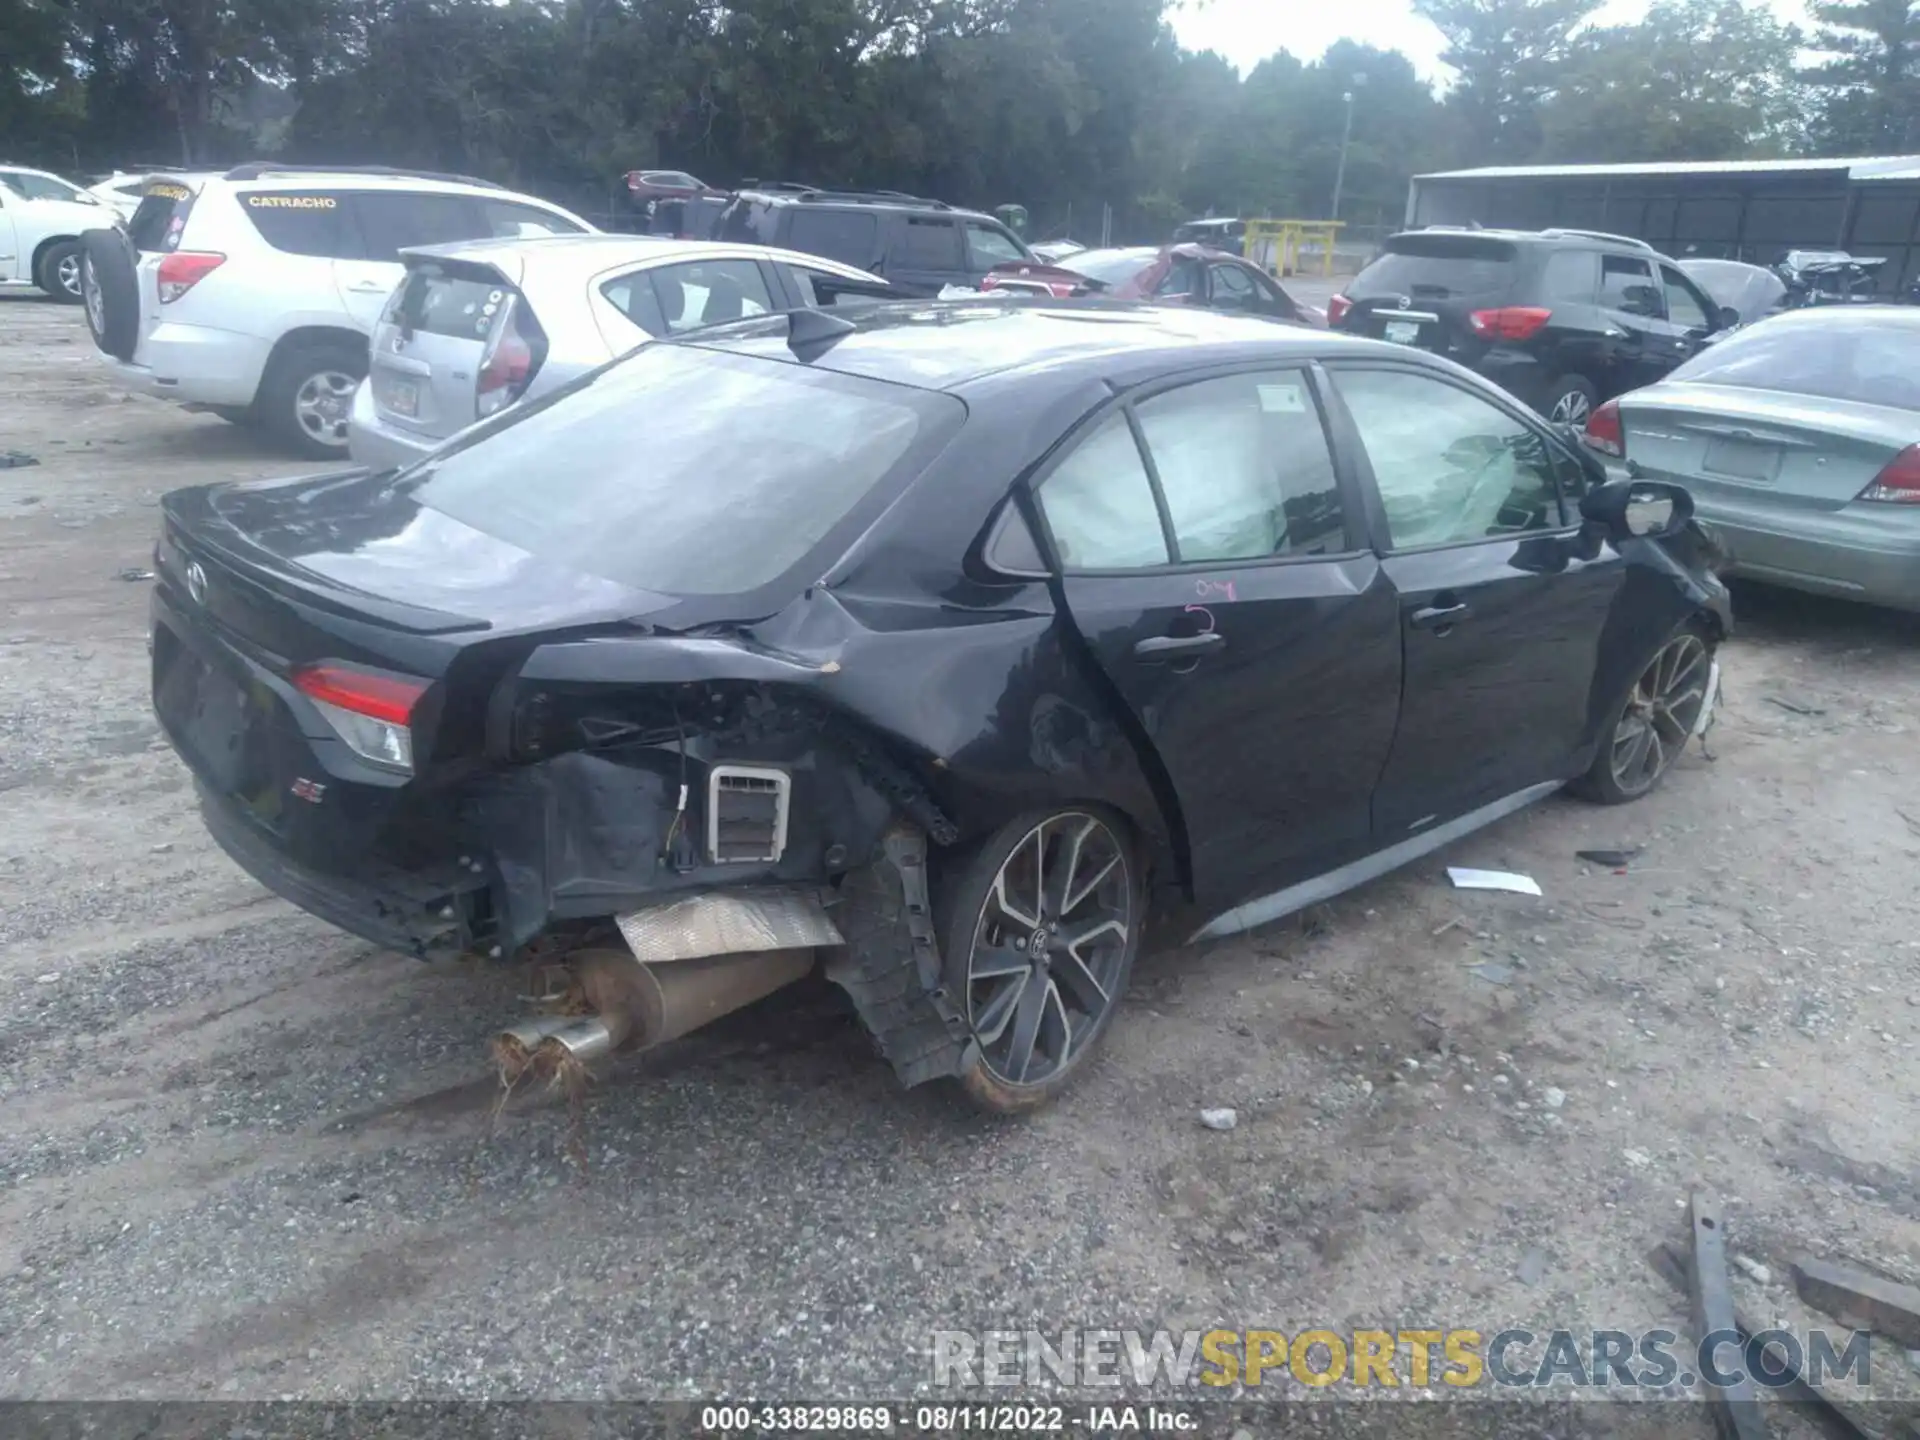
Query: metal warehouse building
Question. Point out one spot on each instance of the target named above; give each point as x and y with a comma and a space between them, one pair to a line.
1737, 210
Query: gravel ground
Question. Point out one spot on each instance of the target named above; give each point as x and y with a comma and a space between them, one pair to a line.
244, 1155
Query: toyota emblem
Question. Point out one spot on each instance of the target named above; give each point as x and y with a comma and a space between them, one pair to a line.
196, 582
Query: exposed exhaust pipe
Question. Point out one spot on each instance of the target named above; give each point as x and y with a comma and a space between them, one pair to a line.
639, 1005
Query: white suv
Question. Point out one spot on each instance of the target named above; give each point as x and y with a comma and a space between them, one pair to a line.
252, 294
41, 220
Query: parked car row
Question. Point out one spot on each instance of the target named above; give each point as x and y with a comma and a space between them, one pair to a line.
377, 313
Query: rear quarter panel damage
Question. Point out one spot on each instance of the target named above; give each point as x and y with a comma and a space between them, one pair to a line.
956, 718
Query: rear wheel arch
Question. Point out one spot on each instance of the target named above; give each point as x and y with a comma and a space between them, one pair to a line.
40, 250
311, 335
281, 396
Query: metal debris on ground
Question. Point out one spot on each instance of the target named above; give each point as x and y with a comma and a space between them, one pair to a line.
134, 574
1866, 1301
1736, 1406
17, 459
1612, 859
1468, 879
1795, 707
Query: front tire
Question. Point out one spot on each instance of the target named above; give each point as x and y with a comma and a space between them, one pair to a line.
58, 272
1651, 724
1039, 928
306, 397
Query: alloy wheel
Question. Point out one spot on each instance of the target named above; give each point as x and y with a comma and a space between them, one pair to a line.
1661, 714
323, 404
94, 298
67, 274
1049, 947
1571, 408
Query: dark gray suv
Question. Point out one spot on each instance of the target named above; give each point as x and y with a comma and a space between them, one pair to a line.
918, 246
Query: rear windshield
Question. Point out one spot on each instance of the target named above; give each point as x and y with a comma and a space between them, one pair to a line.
1437, 267
160, 216
1872, 361
1110, 267
688, 471
432, 302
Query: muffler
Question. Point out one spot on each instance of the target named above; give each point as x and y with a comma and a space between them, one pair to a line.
637, 1005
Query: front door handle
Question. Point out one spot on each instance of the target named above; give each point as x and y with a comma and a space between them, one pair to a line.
1162, 647
1440, 617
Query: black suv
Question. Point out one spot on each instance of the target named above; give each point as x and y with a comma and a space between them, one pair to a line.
917, 245
1561, 318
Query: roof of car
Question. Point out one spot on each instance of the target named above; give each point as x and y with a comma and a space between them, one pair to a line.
590, 254
829, 199
1587, 239
947, 345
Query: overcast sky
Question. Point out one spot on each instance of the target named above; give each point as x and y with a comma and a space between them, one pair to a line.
1247, 31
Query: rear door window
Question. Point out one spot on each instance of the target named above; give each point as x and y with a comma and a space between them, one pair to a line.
1569, 277
1439, 267
304, 222
1627, 285
852, 238
929, 245
434, 302
392, 220
709, 292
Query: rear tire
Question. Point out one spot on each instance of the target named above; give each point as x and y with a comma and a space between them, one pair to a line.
1570, 400
58, 272
1650, 724
306, 397
1039, 927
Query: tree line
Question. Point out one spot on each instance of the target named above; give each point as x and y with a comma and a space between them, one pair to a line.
1065, 106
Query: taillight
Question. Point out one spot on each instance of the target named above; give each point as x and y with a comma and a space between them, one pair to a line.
1899, 483
369, 711
1337, 309
506, 365
184, 269
1509, 322
634, 182
1604, 431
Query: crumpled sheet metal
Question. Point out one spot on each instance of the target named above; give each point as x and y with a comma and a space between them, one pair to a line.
725, 922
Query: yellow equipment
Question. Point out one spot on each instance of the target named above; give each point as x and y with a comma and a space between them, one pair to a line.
1277, 246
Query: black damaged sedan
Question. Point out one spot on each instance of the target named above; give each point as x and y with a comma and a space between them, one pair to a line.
935, 645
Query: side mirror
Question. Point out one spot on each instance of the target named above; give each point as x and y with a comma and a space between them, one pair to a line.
1637, 509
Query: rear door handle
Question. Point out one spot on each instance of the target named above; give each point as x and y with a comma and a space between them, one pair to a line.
1161, 647
1440, 617
368, 287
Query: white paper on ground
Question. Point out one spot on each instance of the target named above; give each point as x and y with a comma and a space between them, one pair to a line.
1492, 880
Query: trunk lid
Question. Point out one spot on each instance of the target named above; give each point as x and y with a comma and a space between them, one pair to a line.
433, 339
1794, 452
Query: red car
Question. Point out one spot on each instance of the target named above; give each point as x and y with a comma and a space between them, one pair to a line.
1167, 275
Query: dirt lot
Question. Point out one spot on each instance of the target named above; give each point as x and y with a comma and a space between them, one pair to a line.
244, 1154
